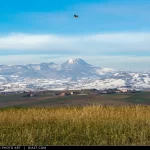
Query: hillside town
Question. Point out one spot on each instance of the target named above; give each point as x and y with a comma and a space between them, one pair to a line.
75, 92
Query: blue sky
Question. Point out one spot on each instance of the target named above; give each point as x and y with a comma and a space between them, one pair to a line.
105, 30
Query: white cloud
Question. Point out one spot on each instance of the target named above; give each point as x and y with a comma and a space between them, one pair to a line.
136, 41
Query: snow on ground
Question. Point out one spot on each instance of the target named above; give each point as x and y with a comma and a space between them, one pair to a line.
82, 83
103, 71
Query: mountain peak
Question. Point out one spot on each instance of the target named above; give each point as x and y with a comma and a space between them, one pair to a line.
72, 61
76, 61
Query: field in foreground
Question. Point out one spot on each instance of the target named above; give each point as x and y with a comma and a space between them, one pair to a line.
88, 125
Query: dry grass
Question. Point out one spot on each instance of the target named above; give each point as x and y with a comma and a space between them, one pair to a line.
90, 125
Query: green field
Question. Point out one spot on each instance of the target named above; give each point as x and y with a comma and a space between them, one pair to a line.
75, 100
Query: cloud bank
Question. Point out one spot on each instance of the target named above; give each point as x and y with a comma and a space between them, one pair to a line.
111, 42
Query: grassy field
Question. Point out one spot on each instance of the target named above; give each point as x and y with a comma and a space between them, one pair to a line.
88, 125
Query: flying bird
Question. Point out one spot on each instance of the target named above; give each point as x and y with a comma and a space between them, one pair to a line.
75, 16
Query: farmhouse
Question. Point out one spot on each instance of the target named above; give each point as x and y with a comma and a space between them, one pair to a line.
123, 90
118, 91
63, 94
71, 93
30, 94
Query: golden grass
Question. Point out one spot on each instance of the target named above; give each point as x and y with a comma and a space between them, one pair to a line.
89, 125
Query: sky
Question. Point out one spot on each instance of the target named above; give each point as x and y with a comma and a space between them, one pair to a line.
108, 33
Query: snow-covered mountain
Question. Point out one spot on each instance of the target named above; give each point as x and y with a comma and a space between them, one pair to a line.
74, 73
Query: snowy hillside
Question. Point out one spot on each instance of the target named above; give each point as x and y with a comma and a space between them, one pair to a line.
72, 74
